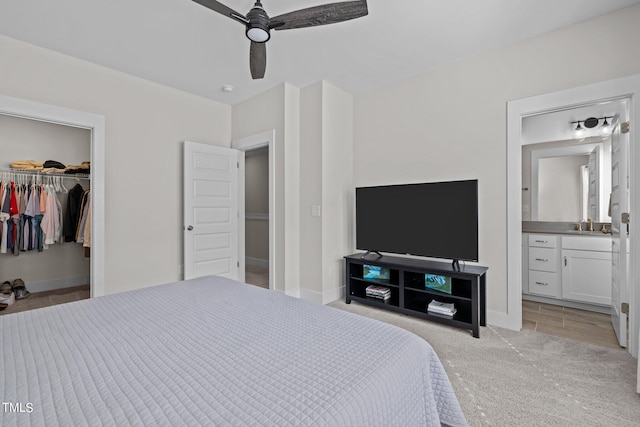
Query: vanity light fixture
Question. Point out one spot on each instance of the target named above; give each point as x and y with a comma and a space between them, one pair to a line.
589, 123
579, 132
605, 129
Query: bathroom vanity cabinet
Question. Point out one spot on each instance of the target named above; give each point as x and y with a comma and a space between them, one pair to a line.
568, 268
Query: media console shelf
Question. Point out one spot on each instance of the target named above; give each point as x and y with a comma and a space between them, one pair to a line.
410, 295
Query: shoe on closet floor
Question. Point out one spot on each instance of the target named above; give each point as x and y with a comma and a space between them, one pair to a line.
6, 289
3, 306
7, 299
20, 290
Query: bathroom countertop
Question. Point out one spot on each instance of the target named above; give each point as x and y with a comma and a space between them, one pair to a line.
564, 228
569, 232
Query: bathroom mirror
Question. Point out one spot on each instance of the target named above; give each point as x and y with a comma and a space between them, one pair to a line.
567, 181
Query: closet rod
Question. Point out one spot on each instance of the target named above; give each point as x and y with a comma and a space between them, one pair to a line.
35, 172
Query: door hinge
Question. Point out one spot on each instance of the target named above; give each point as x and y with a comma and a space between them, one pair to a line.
624, 127
238, 264
624, 218
237, 165
624, 307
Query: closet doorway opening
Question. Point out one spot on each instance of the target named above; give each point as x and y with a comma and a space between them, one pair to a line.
259, 215
40, 132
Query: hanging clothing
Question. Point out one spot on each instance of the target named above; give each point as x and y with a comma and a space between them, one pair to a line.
32, 216
83, 217
72, 213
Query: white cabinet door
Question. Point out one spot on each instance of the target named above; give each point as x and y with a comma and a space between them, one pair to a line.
586, 276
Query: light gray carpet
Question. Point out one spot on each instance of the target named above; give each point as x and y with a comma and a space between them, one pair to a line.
526, 378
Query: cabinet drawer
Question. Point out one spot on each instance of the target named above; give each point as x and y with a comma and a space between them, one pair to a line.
584, 243
544, 283
542, 241
543, 259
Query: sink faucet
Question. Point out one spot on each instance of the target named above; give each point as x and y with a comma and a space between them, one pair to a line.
590, 221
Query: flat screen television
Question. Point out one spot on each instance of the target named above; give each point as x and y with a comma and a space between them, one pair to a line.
433, 219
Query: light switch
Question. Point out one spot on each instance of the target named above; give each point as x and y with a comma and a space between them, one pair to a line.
315, 210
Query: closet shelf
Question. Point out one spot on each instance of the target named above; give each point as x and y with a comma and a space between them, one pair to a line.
35, 172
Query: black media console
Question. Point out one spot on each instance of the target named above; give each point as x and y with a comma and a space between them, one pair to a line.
409, 295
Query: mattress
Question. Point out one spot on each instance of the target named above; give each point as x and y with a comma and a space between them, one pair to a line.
216, 352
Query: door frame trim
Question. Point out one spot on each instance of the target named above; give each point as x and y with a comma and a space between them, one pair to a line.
95, 123
625, 87
252, 142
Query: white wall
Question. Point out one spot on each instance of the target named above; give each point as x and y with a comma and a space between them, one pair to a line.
145, 125
278, 109
311, 191
338, 189
451, 123
326, 181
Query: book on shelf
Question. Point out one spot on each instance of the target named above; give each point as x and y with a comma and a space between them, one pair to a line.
443, 315
378, 292
441, 308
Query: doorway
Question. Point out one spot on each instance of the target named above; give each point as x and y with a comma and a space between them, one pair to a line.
259, 214
95, 124
564, 100
55, 263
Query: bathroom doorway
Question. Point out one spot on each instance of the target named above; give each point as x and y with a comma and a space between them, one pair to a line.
559, 101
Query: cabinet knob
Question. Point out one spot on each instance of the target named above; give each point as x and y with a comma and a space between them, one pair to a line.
542, 259
542, 283
541, 241
190, 227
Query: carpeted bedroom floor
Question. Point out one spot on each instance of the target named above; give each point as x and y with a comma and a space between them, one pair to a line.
527, 378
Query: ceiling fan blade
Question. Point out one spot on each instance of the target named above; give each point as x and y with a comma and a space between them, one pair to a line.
258, 59
222, 9
320, 15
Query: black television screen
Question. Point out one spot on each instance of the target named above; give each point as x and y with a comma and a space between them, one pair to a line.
435, 219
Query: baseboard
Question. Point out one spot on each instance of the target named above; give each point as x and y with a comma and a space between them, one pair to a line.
312, 296
50, 285
322, 297
496, 318
333, 295
604, 309
256, 261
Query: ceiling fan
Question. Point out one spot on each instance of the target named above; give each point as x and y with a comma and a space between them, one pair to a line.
258, 23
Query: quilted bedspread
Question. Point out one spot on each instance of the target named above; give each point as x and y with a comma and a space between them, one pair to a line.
215, 352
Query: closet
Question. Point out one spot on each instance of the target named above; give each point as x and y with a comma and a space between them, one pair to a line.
48, 261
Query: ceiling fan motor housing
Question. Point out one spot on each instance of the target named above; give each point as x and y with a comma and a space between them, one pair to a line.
258, 26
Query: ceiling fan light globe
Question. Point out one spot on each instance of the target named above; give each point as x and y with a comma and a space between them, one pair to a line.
258, 35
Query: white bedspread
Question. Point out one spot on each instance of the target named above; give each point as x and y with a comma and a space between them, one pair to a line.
215, 352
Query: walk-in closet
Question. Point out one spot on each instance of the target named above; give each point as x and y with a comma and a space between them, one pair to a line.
45, 212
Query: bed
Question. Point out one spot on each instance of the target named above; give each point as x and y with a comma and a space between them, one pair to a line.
216, 352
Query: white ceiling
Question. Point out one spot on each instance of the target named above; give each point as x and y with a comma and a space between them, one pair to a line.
184, 45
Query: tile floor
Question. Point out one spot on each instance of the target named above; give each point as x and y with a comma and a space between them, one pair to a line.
565, 322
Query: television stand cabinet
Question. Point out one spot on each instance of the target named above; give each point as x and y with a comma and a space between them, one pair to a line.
411, 296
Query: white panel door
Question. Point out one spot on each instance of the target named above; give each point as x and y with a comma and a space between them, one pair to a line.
211, 204
619, 231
